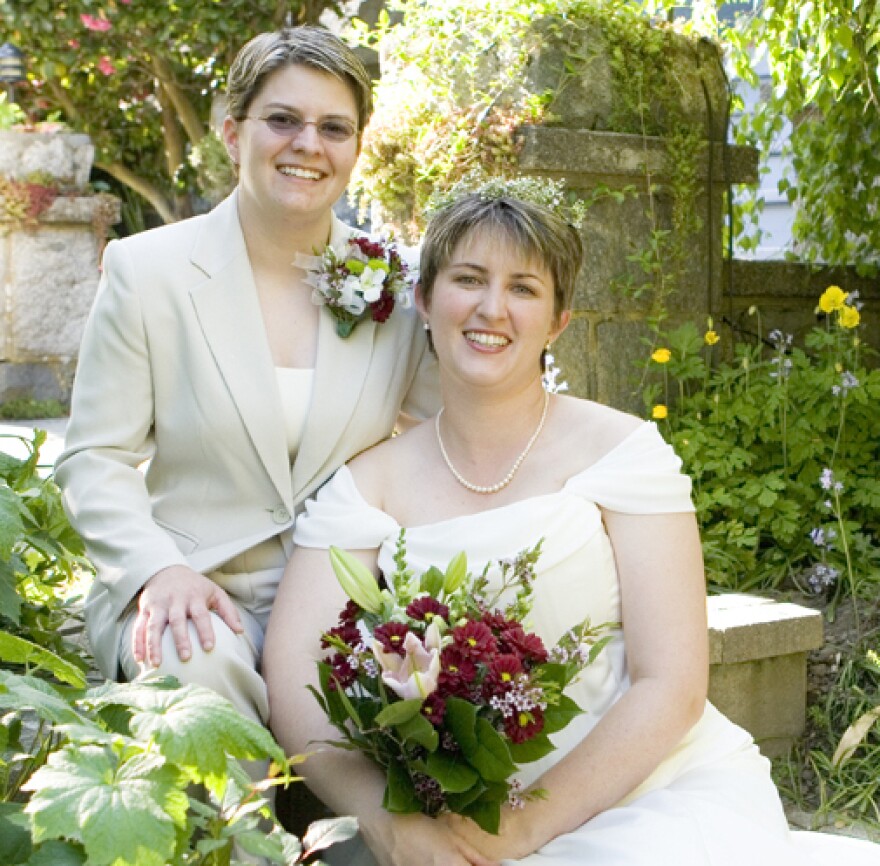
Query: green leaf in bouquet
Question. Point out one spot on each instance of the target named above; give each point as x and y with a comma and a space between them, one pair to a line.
399, 712
194, 728
431, 581
356, 579
458, 803
453, 772
335, 709
532, 750
485, 811
557, 673
17, 650
329, 831
558, 715
492, 756
420, 731
349, 707
400, 793
597, 647
456, 573
122, 813
461, 721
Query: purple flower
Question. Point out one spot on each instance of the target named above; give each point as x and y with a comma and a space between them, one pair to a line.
826, 480
821, 577
847, 382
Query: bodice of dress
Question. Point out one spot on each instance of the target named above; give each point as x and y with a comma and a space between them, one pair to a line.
576, 576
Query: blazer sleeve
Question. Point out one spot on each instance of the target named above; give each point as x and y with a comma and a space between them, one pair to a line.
110, 436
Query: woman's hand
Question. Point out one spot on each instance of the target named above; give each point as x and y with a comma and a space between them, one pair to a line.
171, 598
511, 843
402, 840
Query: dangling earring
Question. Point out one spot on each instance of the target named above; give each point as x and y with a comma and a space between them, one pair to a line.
546, 356
426, 326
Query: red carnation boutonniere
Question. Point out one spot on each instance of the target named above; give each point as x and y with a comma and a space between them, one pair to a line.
364, 280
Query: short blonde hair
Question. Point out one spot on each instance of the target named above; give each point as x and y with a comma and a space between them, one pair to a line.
309, 46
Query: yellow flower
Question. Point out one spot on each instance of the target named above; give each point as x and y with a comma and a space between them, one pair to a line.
832, 299
659, 412
848, 317
711, 338
661, 356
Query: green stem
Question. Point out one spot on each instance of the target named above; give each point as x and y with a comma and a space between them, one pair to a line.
849, 569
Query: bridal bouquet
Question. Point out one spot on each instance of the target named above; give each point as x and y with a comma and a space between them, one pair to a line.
365, 280
438, 681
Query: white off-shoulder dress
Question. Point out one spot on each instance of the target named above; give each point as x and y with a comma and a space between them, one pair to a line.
711, 802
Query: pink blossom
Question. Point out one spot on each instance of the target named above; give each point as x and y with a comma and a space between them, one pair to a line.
105, 66
416, 673
100, 25
73, 43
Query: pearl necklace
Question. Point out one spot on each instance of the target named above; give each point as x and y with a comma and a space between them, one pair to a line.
494, 488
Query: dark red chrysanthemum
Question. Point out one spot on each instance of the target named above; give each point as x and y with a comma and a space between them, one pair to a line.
392, 635
498, 622
380, 310
474, 640
349, 613
528, 646
426, 608
434, 708
503, 670
371, 249
522, 726
343, 673
457, 673
348, 633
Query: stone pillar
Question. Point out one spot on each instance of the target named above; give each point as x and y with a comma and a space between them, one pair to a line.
603, 350
48, 271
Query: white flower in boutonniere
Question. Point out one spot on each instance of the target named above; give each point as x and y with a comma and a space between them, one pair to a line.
362, 281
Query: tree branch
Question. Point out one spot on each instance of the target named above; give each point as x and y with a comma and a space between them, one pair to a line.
186, 111
140, 185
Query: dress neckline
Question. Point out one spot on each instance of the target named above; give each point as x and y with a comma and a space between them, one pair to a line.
496, 509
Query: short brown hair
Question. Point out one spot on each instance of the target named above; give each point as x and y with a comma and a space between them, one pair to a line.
309, 46
532, 228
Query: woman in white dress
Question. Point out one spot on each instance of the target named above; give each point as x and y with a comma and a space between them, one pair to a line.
651, 773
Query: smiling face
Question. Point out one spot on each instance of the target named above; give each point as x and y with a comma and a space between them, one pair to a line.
301, 176
491, 312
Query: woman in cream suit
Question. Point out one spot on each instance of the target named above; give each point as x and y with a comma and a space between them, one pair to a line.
206, 359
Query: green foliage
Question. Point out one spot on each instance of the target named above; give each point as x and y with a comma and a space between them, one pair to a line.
10, 113
139, 78
26, 409
824, 61
41, 557
119, 773
782, 444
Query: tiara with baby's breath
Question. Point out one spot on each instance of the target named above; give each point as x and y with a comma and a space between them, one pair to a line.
543, 191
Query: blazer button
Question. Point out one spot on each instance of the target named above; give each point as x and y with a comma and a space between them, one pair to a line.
280, 514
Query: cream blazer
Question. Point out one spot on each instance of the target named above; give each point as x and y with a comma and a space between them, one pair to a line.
175, 369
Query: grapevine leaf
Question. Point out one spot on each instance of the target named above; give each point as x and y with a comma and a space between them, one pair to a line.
123, 814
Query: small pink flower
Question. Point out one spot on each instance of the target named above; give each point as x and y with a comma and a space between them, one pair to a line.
105, 66
99, 25
73, 43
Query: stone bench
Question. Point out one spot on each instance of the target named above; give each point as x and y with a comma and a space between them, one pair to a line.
758, 665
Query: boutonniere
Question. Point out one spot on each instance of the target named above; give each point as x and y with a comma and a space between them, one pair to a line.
363, 280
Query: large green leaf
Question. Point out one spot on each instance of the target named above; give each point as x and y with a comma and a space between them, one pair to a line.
399, 712
10, 600
460, 720
123, 814
531, 750
453, 772
194, 727
11, 524
23, 692
492, 755
55, 853
558, 715
15, 837
485, 811
400, 795
17, 650
420, 731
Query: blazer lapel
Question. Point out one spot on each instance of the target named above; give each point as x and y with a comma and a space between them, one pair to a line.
229, 314
340, 372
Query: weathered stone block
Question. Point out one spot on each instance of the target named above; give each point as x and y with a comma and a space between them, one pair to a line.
54, 275
67, 157
757, 665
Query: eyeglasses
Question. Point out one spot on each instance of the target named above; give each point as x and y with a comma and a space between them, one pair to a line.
336, 129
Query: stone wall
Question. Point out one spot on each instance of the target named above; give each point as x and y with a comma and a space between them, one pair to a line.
48, 272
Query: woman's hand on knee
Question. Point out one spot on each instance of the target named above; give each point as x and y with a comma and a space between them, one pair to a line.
172, 598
